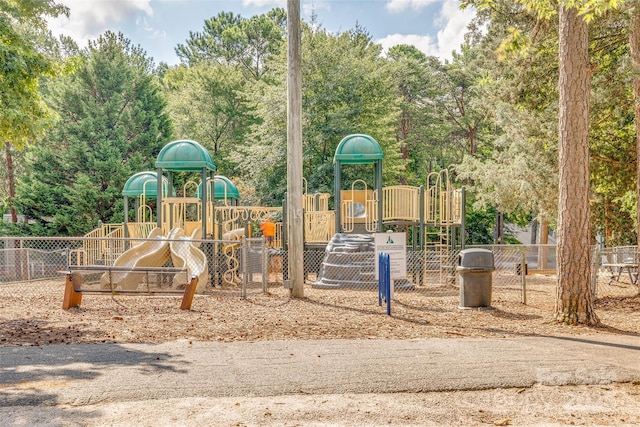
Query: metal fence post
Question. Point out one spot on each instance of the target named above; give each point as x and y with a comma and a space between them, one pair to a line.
523, 274
245, 275
595, 268
265, 264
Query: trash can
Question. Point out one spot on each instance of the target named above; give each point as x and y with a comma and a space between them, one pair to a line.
475, 269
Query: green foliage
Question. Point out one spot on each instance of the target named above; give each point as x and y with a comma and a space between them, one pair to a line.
23, 114
113, 125
517, 171
347, 90
208, 104
211, 97
22, 229
480, 226
612, 136
229, 39
422, 143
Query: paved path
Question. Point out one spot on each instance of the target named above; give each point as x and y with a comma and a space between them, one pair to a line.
91, 374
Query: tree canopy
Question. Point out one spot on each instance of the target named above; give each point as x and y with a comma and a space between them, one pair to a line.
113, 124
23, 112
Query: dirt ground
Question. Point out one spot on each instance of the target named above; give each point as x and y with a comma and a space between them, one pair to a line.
31, 314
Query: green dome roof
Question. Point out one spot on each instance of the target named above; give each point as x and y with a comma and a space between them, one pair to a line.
184, 155
224, 189
358, 148
144, 183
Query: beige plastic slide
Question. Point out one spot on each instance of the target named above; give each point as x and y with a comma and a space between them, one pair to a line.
151, 253
184, 253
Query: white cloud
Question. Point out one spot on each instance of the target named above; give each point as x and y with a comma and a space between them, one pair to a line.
314, 6
422, 42
153, 33
402, 5
88, 19
455, 21
453, 25
261, 3
306, 6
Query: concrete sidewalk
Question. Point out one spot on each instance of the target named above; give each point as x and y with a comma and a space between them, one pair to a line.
108, 373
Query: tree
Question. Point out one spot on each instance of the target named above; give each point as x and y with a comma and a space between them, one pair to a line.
574, 301
460, 104
421, 130
346, 90
207, 103
23, 114
230, 39
112, 125
612, 132
516, 172
209, 95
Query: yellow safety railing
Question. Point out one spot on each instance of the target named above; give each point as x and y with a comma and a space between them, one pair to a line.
315, 202
354, 200
113, 245
401, 203
140, 230
319, 227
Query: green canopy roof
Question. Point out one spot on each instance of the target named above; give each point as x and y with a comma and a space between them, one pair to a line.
184, 156
358, 148
224, 189
144, 183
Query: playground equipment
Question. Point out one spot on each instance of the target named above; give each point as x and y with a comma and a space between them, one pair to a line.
156, 252
142, 186
152, 253
186, 255
349, 262
434, 218
431, 214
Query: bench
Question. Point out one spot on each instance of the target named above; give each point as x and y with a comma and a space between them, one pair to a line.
619, 268
73, 289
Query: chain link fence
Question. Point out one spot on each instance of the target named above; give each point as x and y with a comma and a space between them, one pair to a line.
248, 266
230, 267
615, 272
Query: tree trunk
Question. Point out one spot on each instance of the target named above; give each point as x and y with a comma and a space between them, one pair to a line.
11, 179
404, 150
608, 230
534, 232
634, 44
574, 303
543, 251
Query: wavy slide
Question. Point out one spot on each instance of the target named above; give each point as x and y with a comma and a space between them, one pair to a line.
155, 252
185, 254
151, 253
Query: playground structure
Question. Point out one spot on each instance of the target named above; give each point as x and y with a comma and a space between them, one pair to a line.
432, 216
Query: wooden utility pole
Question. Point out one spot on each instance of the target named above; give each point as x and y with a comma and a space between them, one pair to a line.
295, 215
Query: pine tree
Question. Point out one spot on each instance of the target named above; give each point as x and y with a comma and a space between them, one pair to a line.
112, 125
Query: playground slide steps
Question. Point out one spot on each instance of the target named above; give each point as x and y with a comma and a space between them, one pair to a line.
349, 262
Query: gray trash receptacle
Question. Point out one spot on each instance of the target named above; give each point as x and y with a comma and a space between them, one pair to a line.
475, 270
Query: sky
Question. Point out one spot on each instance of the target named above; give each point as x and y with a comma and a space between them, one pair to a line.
436, 27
